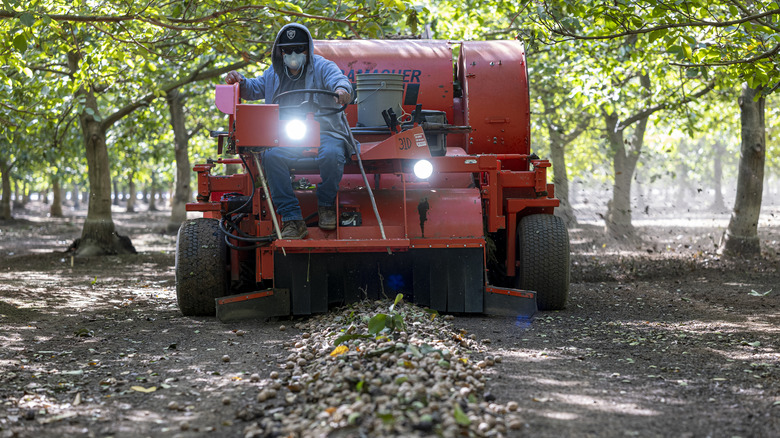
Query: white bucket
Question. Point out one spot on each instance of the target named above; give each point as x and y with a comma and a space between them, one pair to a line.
377, 92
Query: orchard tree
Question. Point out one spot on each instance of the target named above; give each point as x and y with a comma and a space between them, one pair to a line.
618, 81
102, 54
737, 40
553, 75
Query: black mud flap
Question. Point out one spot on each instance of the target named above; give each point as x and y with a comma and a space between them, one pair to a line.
444, 279
504, 301
254, 305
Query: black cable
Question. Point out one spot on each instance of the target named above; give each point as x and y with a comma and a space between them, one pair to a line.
244, 237
250, 238
245, 248
254, 187
234, 226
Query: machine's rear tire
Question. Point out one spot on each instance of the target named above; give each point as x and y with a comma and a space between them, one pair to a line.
201, 257
543, 252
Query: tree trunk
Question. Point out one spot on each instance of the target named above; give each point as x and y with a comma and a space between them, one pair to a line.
683, 186
182, 190
56, 203
741, 237
153, 193
25, 194
18, 194
232, 169
75, 194
618, 219
718, 203
641, 204
114, 184
132, 193
561, 179
44, 196
5, 203
98, 236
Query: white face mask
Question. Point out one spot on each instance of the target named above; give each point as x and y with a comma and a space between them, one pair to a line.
294, 61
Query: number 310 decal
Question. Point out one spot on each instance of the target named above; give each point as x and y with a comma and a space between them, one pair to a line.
404, 143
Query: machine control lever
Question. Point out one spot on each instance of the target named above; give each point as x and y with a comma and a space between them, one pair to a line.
393, 119
417, 114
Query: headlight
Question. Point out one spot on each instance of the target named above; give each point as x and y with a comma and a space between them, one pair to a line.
423, 169
295, 129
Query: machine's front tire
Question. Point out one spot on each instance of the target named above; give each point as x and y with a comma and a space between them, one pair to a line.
543, 252
201, 257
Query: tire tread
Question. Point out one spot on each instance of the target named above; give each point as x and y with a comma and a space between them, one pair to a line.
201, 255
543, 248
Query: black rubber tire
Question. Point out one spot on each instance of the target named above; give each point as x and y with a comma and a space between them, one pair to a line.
543, 252
201, 259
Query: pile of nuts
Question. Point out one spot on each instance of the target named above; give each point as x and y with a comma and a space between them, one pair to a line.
418, 380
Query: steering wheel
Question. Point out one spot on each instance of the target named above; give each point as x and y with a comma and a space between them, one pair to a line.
310, 106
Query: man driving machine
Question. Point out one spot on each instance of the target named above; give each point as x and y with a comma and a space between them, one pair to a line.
295, 67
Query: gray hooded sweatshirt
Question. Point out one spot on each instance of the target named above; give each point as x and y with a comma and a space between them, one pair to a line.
320, 74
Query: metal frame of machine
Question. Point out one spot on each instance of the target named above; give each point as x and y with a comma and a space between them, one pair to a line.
453, 241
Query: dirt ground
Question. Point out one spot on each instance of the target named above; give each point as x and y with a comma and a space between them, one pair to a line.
662, 339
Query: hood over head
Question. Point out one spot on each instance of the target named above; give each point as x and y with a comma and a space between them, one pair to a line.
292, 34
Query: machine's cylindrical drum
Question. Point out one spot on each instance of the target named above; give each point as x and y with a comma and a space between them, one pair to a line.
425, 65
377, 92
496, 103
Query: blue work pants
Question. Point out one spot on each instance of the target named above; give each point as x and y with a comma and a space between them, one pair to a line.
277, 162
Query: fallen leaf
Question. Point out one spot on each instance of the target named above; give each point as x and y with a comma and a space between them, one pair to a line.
461, 417
341, 349
144, 390
58, 418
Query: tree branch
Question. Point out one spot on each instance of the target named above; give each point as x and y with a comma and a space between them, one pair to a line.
156, 22
578, 130
560, 30
769, 54
23, 111
196, 76
648, 111
51, 70
194, 131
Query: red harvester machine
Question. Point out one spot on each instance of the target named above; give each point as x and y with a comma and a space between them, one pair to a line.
476, 236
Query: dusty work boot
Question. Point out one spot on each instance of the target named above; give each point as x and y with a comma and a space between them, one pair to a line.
294, 230
327, 219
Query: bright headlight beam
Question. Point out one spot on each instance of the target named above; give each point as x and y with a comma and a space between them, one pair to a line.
295, 129
423, 169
